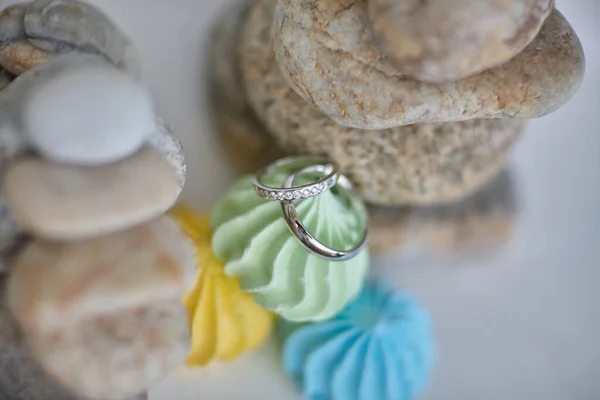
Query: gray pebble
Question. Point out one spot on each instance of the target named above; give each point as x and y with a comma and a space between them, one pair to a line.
32, 33
92, 115
14, 97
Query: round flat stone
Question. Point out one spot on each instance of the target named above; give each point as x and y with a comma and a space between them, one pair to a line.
15, 95
91, 115
114, 299
22, 378
448, 40
164, 140
414, 164
71, 202
157, 250
329, 55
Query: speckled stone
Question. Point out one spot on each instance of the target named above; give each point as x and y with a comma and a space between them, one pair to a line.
17, 55
21, 57
34, 32
114, 300
235, 123
22, 378
415, 164
447, 40
164, 140
68, 202
481, 223
329, 55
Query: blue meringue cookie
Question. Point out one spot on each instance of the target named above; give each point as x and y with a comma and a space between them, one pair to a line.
380, 347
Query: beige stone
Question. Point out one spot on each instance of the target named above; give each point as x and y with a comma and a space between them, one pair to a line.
115, 357
329, 55
21, 57
447, 40
235, 123
72, 281
22, 378
415, 164
71, 202
104, 316
481, 223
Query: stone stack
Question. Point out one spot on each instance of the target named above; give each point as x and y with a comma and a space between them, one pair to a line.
91, 302
420, 103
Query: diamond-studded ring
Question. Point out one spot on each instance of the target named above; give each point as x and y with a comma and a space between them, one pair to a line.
291, 165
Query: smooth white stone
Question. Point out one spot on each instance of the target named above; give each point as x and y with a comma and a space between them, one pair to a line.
18, 92
92, 115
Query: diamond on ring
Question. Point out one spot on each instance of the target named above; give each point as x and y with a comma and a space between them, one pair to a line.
328, 169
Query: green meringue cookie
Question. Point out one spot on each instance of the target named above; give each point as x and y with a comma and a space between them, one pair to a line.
251, 235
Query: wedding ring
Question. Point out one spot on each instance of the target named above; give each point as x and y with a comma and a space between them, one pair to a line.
310, 242
319, 164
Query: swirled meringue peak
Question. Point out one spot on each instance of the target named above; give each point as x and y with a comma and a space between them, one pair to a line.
225, 321
252, 236
379, 347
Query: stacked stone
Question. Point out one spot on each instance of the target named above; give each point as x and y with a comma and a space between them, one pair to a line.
420, 103
94, 271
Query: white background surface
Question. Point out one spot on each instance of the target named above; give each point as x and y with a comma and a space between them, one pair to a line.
525, 326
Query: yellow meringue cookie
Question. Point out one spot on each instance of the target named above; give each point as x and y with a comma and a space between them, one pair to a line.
225, 321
